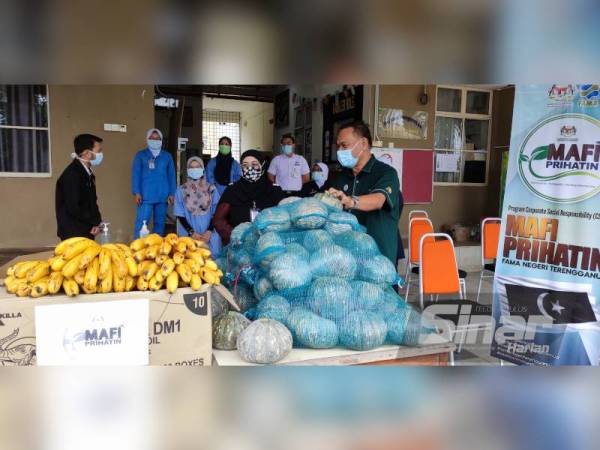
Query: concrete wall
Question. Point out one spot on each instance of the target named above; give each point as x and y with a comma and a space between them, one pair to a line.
28, 203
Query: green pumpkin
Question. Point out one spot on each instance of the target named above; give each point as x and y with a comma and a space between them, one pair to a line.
264, 341
226, 329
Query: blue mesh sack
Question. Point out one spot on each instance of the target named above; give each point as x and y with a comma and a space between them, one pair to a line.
289, 270
240, 259
341, 222
294, 318
244, 296
308, 213
406, 326
391, 301
378, 269
315, 239
313, 331
292, 236
273, 219
298, 297
362, 330
370, 296
269, 245
332, 203
250, 238
333, 261
262, 287
289, 200
299, 250
362, 245
331, 298
238, 233
221, 262
273, 307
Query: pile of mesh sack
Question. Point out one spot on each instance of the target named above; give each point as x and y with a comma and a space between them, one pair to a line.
312, 267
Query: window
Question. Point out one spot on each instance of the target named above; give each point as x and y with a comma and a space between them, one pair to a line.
462, 135
216, 124
24, 136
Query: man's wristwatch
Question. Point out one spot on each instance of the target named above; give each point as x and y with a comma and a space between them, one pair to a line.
356, 201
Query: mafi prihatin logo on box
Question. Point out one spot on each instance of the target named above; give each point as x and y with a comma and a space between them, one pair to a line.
559, 159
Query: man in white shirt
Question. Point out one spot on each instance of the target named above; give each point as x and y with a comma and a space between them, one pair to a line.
288, 170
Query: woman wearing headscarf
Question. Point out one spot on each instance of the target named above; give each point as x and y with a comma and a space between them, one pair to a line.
195, 204
223, 170
252, 191
319, 180
152, 183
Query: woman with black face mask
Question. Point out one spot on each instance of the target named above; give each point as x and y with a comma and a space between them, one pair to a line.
252, 192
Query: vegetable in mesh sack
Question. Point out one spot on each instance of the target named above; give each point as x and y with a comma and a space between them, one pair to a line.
289, 270
262, 287
361, 245
299, 250
405, 326
378, 269
362, 330
226, 329
218, 304
329, 200
244, 296
250, 238
238, 233
341, 222
333, 261
294, 318
331, 298
315, 239
298, 297
276, 218
288, 200
273, 307
391, 301
312, 331
370, 296
292, 236
308, 213
267, 248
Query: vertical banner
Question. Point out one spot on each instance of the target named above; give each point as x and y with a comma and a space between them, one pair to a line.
547, 277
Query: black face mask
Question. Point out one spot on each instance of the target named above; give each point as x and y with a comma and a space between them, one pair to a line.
251, 174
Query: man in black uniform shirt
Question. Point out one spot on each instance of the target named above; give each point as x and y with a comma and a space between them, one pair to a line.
77, 211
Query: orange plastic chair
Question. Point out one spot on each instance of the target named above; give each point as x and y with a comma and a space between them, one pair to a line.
417, 227
417, 213
490, 235
438, 271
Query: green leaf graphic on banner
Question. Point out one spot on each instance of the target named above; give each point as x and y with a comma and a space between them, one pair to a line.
540, 153
523, 158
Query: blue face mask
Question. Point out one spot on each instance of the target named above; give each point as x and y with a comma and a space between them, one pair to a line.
195, 173
287, 149
318, 176
346, 158
97, 160
154, 145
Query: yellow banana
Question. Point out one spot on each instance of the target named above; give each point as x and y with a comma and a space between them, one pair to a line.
70, 287
205, 252
149, 271
143, 265
196, 282
172, 239
72, 267
152, 252
23, 289
58, 263
55, 282
159, 276
209, 276
172, 282
165, 248
153, 239
210, 264
77, 248
132, 267
125, 249
89, 290
40, 271
104, 269
79, 277
140, 255
90, 280
154, 284
62, 246
23, 267
193, 265
40, 287
106, 283
142, 284
196, 257
10, 271
10, 283
184, 272
88, 255
160, 259
119, 264
167, 267
137, 245
180, 246
112, 247
118, 282
189, 242
129, 283
178, 258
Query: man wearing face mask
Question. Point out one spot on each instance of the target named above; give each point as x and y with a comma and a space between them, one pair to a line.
367, 187
153, 183
289, 170
77, 213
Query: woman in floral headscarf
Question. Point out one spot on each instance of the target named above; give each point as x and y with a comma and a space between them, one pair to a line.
195, 204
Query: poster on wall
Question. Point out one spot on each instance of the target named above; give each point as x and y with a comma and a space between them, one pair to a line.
547, 278
402, 124
339, 109
392, 157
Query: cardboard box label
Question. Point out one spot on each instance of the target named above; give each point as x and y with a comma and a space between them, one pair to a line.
197, 302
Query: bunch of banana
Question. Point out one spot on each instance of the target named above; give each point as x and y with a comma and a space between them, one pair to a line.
81, 265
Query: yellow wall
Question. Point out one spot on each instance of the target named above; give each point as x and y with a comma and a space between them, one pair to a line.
28, 203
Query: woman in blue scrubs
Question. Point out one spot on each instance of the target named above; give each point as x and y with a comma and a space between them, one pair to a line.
153, 183
195, 204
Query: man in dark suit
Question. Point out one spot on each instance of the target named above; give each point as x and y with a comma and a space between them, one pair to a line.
77, 212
